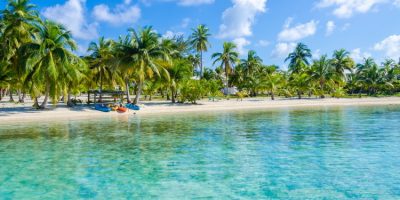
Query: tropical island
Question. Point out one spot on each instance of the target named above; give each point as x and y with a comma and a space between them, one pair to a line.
39, 64
150, 116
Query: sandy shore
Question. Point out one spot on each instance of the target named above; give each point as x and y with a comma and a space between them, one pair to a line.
20, 113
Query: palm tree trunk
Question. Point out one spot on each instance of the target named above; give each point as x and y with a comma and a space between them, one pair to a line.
299, 94
201, 64
272, 95
139, 91
101, 89
20, 98
46, 97
69, 101
128, 96
11, 96
173, 96
23, 97
35, 103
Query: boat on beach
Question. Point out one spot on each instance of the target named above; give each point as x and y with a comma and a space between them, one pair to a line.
132, 106
102, 108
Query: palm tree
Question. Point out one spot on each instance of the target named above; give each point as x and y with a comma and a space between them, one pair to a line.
251, 63
228, 57
100, 62
199, 42
49, 60
18, 19
341, 62
272, 82
369, 75
195, 60
140, 53
321, 72
299, 58
300, 82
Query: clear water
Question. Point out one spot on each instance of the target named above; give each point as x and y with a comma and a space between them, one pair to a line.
322, 153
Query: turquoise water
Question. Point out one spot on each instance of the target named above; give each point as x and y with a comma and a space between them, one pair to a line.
322, 153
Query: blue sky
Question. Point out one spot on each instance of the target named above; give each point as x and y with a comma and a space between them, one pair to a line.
271, 27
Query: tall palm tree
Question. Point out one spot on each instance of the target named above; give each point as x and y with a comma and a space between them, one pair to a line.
199, 42
228, 57
139, 53
100, 62
299, 58
321, 72
341, 62
49, 60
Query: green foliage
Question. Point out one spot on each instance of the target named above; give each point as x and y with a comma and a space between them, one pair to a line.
192, 91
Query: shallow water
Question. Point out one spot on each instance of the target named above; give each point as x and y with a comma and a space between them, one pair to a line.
319, 153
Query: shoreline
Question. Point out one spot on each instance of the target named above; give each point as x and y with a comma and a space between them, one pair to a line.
9, 114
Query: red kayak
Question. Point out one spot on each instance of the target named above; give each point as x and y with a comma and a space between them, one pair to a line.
122, 109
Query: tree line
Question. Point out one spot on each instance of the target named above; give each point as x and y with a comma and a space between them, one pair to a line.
38, 59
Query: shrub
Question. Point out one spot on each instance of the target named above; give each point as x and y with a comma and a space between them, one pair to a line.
191, 91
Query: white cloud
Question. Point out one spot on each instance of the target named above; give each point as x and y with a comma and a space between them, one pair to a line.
263, 43
121, 14
171, 34
330, 27
241, 43
298, 32
358, 56
194, 2
237, 21
283, 49
346, 8
72, 15
390, 45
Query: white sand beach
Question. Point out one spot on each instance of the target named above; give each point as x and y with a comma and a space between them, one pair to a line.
10, 112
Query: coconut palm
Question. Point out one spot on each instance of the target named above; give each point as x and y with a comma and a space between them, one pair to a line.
272, 82
251, 63
299, 58
100, 62
369, 75
49, 60
199, 42
139, 53
322, 73
17, 27
341, 62
227, 58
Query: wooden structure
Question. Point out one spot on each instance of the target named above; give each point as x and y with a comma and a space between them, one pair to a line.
107, 96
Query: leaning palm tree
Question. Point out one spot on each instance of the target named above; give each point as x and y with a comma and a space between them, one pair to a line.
299, 58
199, 42
138, 53
341, 62
17, 27
49, 60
